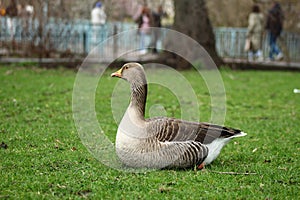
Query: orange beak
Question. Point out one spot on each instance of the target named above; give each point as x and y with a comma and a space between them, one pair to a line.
117, 73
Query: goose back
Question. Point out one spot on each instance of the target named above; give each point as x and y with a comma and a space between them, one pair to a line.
171, 129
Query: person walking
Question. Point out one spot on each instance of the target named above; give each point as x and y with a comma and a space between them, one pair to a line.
2, 14
98, 19
12, 13
156, 33
144, 22
98, 16
255, 33
2, 10
274, 27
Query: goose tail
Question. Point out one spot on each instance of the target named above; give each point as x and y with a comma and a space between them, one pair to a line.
240, 134
214, 148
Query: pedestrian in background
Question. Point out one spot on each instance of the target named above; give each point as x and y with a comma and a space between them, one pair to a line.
98, 16
255, 34
156, 33
12, 13
144, 22
2, 10
98, 19
2, 14
274, 27
25, 13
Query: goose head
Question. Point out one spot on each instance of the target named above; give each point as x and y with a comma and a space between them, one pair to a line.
133, 73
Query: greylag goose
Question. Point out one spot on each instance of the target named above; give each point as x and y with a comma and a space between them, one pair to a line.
163, 142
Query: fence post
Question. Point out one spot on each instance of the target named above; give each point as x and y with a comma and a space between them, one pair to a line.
115, 41
283, 40
84, 43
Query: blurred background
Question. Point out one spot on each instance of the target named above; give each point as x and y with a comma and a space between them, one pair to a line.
62, 28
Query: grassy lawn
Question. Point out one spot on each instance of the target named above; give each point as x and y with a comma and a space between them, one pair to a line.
42, 156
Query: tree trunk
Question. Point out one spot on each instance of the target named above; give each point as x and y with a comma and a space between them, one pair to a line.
191, 18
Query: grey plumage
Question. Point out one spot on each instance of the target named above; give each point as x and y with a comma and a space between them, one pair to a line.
163, 142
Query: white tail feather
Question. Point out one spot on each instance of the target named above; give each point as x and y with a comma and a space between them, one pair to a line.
215, 147
241, 134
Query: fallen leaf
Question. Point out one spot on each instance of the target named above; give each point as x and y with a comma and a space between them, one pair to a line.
84, 193
282, 168
9, 72
61, 186
73, 149
59, 142
3, 145
164, 189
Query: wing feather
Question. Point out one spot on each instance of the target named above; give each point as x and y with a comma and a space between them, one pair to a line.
184, 154
171, 129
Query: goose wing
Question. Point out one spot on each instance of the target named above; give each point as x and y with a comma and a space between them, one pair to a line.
171, 129
183, 154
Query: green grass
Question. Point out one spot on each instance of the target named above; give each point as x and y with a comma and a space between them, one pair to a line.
45, 158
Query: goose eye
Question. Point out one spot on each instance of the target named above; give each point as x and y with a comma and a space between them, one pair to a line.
126, 67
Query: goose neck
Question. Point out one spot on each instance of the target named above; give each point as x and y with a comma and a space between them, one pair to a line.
138, 99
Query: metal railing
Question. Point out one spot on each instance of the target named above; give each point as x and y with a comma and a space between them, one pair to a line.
230, 43
80, 37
